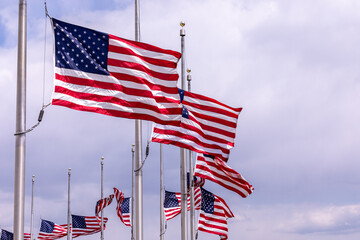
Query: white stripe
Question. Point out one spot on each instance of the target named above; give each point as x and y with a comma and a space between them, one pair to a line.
143, 52
136, 59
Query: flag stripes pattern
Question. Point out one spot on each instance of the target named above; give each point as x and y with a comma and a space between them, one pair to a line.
102, 73
213, 215
123, 207
207, 126
50, 230
86, 225
102, 203
27, 236
214, 169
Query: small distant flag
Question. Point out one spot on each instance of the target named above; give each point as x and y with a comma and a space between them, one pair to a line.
123, 207
27, 236
102, 73
214, 214
207, 126
216, 170
102, 203
50, 230
86, 225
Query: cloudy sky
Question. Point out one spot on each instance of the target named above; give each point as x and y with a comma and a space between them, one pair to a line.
292, 65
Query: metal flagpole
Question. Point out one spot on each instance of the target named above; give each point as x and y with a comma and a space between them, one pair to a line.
102, 196
20, 139
183, 171
191, 176
161, 194
32, 208
68, 213
132, 192
138, 152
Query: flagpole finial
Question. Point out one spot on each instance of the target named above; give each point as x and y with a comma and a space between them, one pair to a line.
33, 178
102, 160
69, 171
182, 24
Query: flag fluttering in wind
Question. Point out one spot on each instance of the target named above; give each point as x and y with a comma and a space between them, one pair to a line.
86, 225
207, 126
172, 203
102, 73
27, 236
50, 230
123, 207
216, 170
6, 235
102, 203
214, 214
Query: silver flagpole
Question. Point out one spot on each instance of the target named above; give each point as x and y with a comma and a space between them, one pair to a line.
183, 171
191, 176
161, 194
102, 196
20, 139
132, 192
32, 208
138, 152
68, 213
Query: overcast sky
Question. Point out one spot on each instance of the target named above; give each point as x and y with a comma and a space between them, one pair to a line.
292, 65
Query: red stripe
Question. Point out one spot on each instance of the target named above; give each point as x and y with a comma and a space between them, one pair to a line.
215, 119
146, 46
200, 228
139, 67
117, 101
153, 61
114, 113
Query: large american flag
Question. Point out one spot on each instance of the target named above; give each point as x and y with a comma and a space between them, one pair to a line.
86, 225
50, 230
214, 214
216, 170
207, 126
6, 235
172, 203
123, 207
102, 203
102, 73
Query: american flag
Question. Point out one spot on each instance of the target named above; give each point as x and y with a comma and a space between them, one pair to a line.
102, 73
216, 170
27, 236
86, 225
172, 203
6, 235
214, 214
50, 230
102, 203
123, 207
207, 126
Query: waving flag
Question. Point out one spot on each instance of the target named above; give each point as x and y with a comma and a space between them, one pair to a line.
49, 230
102, 203
214, 214
207, 126
6, 235
214, 169
172, 203
27, 236
123, 207
102, 73
86, 225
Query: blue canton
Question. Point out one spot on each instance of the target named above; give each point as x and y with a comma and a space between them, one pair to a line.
181, 93
185, 112
125, 206
6, 235
78, 221
80, 48
170, 200
47, 226
207, 201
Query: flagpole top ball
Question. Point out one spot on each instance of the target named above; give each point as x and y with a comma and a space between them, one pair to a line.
188, 70
69, 170
102, 158
182, 24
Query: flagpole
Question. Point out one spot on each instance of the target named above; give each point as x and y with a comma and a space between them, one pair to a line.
68, 213
161, 194
191, 176
20, 139
102, 196
138, 152
132, 192
183, 170
32, 208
